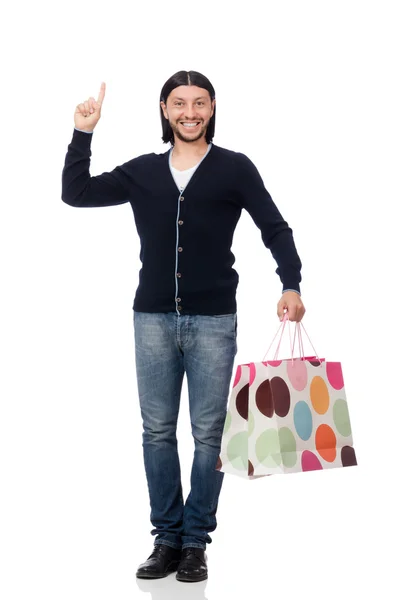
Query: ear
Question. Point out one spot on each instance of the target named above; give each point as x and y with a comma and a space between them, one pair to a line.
163, 106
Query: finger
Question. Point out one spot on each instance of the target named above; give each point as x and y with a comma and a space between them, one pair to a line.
87, 108
292, 313
80, 108
280, 311
91, 102
101, 93
301, 313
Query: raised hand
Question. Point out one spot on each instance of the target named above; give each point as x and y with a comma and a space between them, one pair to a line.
88, 113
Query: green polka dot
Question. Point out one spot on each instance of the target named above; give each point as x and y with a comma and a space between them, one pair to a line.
288, 446
267, 448
251, 423
228, 422
341, 417
237, 451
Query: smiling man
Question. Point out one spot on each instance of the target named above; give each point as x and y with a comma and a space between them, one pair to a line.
186, 203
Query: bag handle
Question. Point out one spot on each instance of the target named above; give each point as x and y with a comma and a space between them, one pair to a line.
298, 326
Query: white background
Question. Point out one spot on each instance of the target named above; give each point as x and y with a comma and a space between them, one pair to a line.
306, 89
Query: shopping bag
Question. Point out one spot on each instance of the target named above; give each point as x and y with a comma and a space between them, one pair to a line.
287, 416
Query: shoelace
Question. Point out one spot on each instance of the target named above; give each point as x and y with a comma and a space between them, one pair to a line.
158, 549
190, 553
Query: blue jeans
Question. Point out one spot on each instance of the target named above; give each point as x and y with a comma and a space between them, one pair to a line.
167, 345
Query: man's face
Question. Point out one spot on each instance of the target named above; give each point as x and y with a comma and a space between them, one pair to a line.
188, 104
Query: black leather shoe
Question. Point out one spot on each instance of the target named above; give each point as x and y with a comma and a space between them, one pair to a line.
193, 565
162, 561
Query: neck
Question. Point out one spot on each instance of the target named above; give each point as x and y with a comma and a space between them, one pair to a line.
190, 149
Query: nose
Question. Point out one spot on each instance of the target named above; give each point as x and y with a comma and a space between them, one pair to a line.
189, 115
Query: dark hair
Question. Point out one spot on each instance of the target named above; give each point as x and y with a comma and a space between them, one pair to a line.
186, 78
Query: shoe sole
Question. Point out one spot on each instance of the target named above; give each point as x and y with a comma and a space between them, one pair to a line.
186, 580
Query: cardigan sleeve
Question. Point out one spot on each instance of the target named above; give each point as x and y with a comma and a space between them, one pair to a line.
80, 189
276, 233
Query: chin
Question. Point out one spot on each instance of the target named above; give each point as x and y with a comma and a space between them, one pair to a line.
189, 138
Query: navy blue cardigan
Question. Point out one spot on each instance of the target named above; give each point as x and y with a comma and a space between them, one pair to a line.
186, 236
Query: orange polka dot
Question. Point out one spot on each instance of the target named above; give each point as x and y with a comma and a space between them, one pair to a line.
326, 442
319, 395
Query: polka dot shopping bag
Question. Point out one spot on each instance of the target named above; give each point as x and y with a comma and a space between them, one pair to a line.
287, 416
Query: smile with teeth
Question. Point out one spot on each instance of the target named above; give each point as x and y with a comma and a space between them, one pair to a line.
191, 124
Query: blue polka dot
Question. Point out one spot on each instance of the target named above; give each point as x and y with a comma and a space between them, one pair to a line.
303, 420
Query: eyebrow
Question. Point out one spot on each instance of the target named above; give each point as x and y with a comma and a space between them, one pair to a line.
179, 98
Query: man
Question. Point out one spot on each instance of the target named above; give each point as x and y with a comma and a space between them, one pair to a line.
186, 204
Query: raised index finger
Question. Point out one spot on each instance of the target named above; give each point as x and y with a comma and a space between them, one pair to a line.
102, 92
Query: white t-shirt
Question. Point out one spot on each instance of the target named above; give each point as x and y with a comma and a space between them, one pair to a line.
182, 177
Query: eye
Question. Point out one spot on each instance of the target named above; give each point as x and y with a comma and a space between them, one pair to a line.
177, 103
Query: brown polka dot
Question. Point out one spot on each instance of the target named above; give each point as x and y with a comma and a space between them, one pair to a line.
250, 468
264, 400
348, 456
218, 464
281, 396
242, 402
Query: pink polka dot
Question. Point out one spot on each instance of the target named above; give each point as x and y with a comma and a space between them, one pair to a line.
310, 462
297, 373
252, 373
238, 376
334, 374
273, 363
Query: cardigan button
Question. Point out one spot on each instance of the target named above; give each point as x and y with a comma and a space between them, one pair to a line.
178, 275
180, 222
178, 299
182, 198
180, 249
